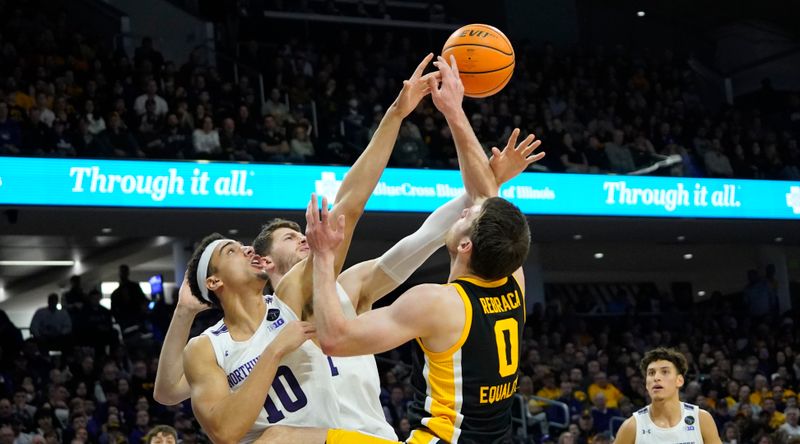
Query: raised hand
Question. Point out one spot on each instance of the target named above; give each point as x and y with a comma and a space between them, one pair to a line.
321, 237
415, 88
292, 335
187, 301
514, 158
449, 93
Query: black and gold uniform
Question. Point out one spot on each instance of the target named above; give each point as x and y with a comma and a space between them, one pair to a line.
464, 394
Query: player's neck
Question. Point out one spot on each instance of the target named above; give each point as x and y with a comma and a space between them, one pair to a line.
244, 312
457, 268
667, 409
274, 278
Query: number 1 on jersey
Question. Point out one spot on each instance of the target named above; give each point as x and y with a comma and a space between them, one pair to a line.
506, 333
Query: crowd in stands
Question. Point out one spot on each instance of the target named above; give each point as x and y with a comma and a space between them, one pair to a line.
79, 379
604, 110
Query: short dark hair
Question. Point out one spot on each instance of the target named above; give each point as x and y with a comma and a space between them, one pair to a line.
163, 429
500, 239
194, 263
664, 354
263, 242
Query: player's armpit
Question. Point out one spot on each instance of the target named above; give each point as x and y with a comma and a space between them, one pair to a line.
627, 432
412, 315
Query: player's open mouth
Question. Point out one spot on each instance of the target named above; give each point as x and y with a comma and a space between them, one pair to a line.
256, 262
657, 387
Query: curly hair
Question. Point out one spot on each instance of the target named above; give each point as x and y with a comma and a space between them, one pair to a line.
664, 354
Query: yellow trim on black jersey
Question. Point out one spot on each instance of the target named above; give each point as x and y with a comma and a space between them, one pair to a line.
524, 303
483, 283
464, 332
420, 436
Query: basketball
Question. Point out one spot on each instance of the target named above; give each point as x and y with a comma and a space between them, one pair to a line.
485, 58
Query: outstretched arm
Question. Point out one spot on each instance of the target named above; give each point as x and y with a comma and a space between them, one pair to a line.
369, 281
448, 96
360, 182
171, 387
361, 179
372, 332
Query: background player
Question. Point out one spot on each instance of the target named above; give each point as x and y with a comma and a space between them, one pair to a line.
667, 419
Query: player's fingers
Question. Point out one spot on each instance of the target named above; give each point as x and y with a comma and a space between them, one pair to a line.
421, 67
525, 142
496, 152
310, 211
512, 140
453, 65
324, 212
535, 158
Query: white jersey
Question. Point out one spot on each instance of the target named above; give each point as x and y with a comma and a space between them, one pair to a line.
302, 393
686, 431
358, 387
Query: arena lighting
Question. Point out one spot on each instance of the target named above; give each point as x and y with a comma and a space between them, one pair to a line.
233, 231
106, 230
778, 239
681, 238
688, 256
640, 14
37, 263
598, 255
701, 293
577, 237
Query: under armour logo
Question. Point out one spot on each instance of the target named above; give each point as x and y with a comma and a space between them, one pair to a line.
645, 431
227, 353
793, 199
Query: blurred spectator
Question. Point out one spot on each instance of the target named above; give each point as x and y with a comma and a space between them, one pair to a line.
51, 325
572, 160
601, 385
161, 434
10, 136
116, 140
300, 147
128, 302
206, 140
717, 163
160, 105
74, 297
10, 337
272, 140
233, 145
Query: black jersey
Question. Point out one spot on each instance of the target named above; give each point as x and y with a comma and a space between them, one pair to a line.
464, 394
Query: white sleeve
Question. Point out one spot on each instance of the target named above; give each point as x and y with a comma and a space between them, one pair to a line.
413, 250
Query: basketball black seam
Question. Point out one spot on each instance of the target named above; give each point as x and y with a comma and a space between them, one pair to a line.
496, 87
478, 44
486, 72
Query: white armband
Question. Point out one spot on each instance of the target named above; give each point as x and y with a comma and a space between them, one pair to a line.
413, 250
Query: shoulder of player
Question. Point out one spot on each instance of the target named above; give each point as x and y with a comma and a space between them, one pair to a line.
627, 431
705, 417
198, 349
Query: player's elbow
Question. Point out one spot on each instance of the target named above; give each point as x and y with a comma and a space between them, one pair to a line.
331, 345
224, 434
164, 397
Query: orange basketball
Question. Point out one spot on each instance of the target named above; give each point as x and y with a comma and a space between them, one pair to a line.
485, 58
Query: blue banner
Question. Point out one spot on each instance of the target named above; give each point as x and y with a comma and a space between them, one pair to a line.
153, 184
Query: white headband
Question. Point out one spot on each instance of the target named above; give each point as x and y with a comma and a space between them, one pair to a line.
202, 267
